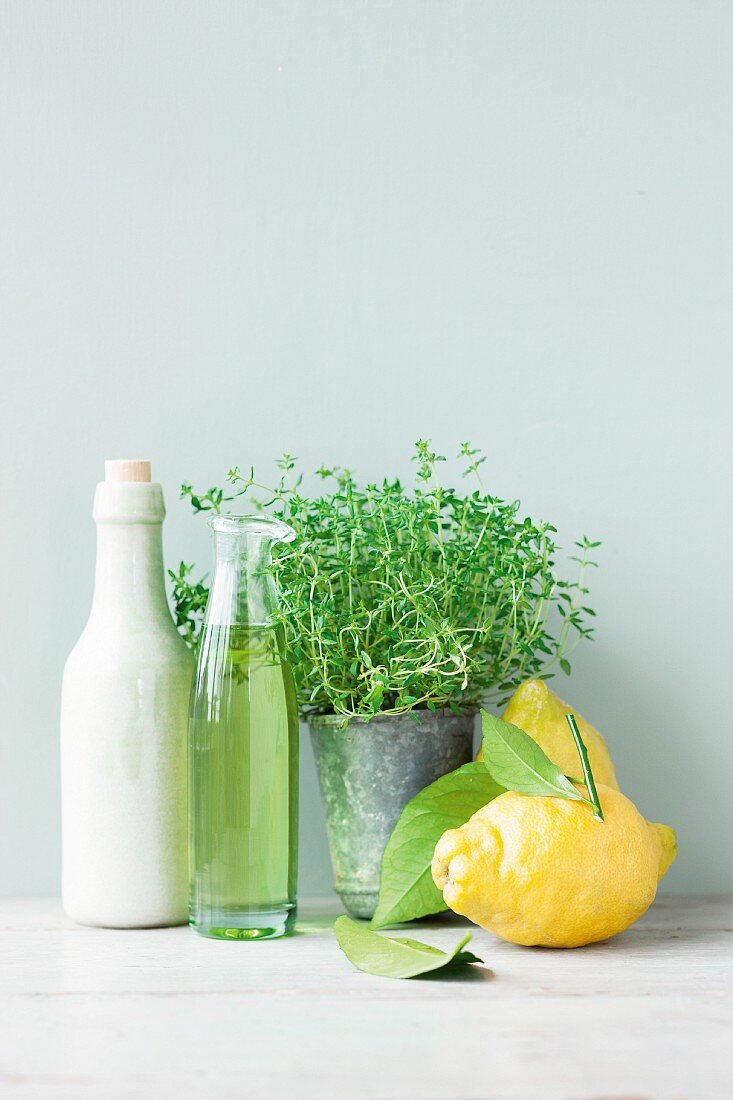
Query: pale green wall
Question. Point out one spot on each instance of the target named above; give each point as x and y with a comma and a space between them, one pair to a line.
231, 229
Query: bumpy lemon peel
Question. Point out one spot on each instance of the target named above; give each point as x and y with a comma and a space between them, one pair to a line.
542, 871
536, 709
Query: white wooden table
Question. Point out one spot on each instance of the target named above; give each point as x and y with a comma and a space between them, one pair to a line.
165, 1014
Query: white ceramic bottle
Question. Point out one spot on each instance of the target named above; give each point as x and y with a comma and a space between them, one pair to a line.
124, 724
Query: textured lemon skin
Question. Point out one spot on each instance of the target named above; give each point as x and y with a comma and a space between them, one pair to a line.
536, 709
543, 872
668, 840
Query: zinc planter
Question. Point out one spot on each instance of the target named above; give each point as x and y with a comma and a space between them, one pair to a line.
368, 770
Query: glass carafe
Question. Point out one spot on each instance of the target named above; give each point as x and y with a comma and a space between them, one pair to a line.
243, 757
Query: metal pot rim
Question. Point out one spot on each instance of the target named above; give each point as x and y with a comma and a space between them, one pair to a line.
343, 720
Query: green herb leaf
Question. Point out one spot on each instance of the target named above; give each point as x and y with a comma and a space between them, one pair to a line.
396, 597
517, 761
394, 958
406, 889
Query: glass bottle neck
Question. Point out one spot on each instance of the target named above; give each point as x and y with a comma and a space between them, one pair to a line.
242, 592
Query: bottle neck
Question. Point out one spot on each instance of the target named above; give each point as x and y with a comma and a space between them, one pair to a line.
242, 591
129, 580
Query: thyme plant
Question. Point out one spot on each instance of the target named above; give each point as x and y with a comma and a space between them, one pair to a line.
397, 598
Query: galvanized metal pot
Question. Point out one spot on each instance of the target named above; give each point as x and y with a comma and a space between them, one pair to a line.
368, 770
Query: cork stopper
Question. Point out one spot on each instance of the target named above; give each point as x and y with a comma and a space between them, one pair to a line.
126, 469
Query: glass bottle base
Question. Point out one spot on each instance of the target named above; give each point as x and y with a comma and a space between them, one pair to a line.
245, 924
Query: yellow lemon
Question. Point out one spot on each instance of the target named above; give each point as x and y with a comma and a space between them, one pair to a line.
536, 870
540, 713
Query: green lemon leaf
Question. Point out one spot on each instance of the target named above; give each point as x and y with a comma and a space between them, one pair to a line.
398, 958
406, 888
515, 760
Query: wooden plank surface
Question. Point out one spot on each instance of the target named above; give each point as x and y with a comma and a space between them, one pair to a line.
92, 1013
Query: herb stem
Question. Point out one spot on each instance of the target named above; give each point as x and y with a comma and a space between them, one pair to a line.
449, 594
587, 772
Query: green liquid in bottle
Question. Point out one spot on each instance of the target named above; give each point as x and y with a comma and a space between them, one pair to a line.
243, 786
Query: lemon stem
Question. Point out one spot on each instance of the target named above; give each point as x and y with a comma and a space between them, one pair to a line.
587, 773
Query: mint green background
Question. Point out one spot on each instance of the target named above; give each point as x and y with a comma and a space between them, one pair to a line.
232, 229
